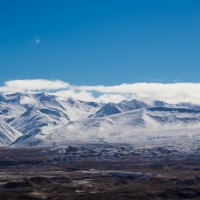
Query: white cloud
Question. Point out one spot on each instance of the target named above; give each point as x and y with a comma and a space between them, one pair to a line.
37, 41
88, 96
171, 93
28, 100
109, 97
32, 85
177, 80
76, 94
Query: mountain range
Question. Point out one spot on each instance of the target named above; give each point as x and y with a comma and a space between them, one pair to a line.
32, 119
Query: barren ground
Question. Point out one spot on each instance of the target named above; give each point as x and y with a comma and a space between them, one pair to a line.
29, 174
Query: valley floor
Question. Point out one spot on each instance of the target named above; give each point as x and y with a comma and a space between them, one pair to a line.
33, 174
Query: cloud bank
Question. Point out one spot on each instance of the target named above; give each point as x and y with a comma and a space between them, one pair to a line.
32, 85
171, 93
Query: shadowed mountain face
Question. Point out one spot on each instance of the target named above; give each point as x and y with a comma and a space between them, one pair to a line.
43, 119
29, 114
8, 134
123, 106
108, 109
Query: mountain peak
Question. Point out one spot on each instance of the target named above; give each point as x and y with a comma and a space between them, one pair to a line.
108, 109
132, 105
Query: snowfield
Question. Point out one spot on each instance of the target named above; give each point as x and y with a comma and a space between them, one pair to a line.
40, 119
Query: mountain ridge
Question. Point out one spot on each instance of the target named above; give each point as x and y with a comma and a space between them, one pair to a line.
31, 119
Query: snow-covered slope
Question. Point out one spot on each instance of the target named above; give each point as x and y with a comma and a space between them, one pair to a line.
132, 105
42, 119
141, 125
10, 106
123, 106
108, 109
31, 114
162, 104
189, 105
8, 134
77, 109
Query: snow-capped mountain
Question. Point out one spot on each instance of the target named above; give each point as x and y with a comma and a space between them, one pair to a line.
159, 103
123, 106
189, 105
128, 127
108, 109
31, 119
132, 105
31, 114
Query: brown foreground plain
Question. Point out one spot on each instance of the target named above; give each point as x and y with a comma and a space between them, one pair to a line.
28, 174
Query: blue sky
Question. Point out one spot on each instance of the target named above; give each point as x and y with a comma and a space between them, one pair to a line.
106, 42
